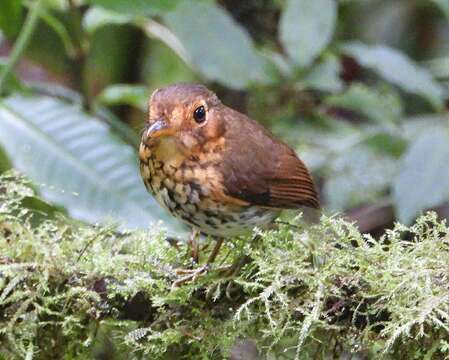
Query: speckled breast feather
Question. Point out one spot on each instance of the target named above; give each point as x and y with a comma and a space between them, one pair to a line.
187, 193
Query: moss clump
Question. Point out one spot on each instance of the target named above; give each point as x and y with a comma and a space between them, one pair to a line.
73, 291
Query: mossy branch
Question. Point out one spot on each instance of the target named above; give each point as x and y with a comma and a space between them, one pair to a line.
75, 291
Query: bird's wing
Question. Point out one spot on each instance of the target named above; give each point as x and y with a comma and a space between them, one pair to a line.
263, 171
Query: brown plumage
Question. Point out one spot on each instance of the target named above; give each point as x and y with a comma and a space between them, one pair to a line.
215, 168
261, 169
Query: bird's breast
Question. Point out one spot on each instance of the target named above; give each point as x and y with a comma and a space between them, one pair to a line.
191, 192
178, 184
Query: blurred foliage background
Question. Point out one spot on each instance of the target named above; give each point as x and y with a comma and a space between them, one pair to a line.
359, 88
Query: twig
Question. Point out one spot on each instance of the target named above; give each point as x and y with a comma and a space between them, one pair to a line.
88, 244
22, 42
79, 60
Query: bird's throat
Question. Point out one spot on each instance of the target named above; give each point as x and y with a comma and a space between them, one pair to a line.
169, 151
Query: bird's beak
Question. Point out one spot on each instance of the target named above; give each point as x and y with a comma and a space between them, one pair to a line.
158, 128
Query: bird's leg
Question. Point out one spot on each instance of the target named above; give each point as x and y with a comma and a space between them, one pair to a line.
241, 260
194, 244
215, 251
238, 264
191, 275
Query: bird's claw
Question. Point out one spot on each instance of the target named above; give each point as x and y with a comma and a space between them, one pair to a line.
190, 275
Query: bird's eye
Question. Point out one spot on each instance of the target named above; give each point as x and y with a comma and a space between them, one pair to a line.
199, 114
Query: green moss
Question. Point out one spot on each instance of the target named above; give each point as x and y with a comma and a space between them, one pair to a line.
73, 291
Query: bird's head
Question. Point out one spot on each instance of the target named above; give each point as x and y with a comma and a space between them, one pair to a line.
185, 116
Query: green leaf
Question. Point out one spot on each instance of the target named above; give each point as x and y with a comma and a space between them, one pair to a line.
136, 7
5, 164
97, 17
76, 162
120, 128
357, 175
120, 94
12, 82
325, 76
386, 143
162, 66
444, 6
11, 17
102, 113
215, 44
281, 63
423, 181
41, 210
413, 126
380, 107
439, 67
398, 69
59, 28
306, 28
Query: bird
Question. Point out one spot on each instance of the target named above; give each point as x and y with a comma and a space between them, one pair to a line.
216, 169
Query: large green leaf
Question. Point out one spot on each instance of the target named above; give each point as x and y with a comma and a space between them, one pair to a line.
398, 69
423, 181
413, 126
215, 44
136, 7
356, 176
306, 28
76, 161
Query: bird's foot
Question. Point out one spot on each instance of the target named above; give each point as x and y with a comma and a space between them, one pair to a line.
189, 275
193, 244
